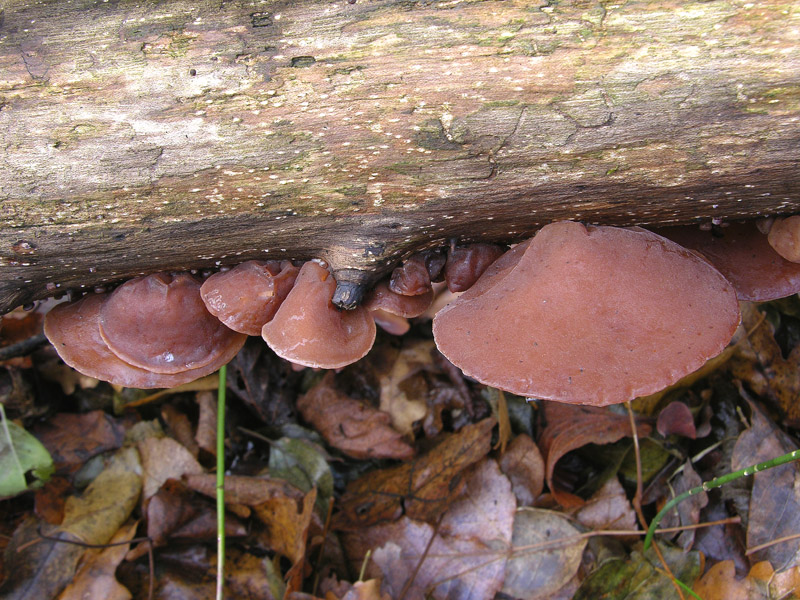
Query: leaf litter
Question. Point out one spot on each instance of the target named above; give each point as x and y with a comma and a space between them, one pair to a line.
390, 479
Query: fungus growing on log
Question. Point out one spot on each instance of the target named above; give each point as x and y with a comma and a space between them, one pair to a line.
415, 275
248, 296
309, 330
784, 237
595, 315
465, 264
159, 323
742, 253
74, 330
391, 311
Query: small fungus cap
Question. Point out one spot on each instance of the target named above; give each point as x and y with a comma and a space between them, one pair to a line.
309, 330
595, 315
381, 297
784, 237
159, 323
248, 296
744, 256
74, 330
465, 264
413, 277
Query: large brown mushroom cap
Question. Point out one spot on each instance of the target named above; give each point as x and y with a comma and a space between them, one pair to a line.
248, 296
592, 316
309, 330
74, 330
159, 323
744, 256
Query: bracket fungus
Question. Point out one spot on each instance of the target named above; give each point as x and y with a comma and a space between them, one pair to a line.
249, 295
391, 310
743, 254
309, 330
590, 315
415, 275
74, 330
159, 323
465, 264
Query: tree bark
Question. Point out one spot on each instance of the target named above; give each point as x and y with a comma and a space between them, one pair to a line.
145, 136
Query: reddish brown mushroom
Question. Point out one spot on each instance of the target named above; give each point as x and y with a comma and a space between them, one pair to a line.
159, 323
248, 296
309, 330
744, 256
415, 275
784, 237
594, 315
465, 264
391, 311
74, 330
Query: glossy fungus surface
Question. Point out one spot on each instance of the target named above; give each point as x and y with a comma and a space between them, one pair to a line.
159, 323
74, 330
594, 315
381, 297
248, 296
465, 264
309, 330
744, 256
415, 275
784, 237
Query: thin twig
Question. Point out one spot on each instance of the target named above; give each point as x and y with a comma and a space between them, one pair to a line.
23, 348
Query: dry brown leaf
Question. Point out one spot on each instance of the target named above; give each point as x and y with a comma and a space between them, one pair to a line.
775, 495
96, 576
608, 508
163, 458
546, 554
366, 590
424, 487
179, 427
524, 466
287, 523
779, 585
771, 375
570, 427
466, 559
72, 439
720, 583
403, 409
206, 436
353, 427
688, 511
240, 489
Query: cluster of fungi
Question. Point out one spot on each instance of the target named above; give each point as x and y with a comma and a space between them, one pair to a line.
584, 314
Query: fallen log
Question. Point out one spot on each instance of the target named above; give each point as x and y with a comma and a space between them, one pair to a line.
140, 137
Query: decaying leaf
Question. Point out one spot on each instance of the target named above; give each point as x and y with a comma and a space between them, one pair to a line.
570, 427
423, 487
43, 567
546, 554
206, 435
608, 508
163, 458
524, 466
353, 427
775, 495
403, 409
770, 374
463, 558
686, 513
676, 419
96, 576
72, 439
641, 577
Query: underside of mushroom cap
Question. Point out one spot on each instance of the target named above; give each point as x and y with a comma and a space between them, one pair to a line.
309, 330
744, 256
595, 315
159, 323
248, 296
74, 330
465, 264
381, 297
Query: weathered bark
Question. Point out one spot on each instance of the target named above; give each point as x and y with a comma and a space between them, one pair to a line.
143, 136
